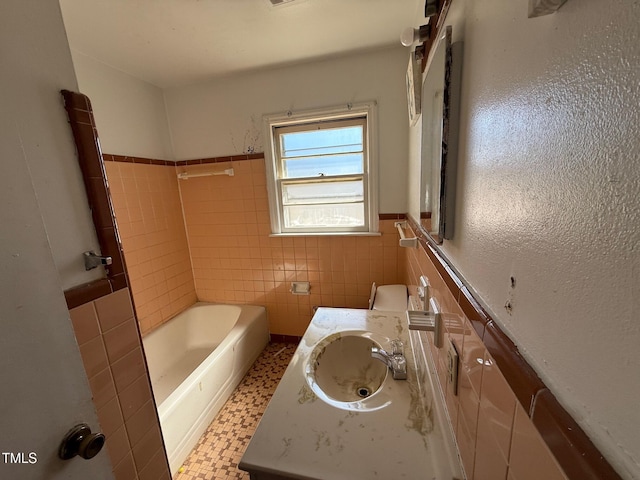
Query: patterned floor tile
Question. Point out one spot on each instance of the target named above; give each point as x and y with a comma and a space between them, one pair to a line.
219, 450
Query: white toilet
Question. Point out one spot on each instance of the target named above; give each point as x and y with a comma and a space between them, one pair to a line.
389, 298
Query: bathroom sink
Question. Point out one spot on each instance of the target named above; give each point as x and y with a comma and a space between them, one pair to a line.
341, 370
319, 425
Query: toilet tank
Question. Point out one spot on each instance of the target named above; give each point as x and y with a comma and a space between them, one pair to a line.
389, 298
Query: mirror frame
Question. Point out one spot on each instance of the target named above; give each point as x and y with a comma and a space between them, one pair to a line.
444, 199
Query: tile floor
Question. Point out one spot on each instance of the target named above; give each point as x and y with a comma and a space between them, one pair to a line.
219, 450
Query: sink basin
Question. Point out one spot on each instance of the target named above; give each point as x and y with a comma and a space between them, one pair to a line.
342, 370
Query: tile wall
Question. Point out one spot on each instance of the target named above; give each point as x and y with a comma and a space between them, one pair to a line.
495, 435
146, 200
111, 351
209, 238
507, 423
236, 261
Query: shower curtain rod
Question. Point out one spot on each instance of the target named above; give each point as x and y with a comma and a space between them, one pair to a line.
185, 176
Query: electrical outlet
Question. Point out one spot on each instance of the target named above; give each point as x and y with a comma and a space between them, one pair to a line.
453, 361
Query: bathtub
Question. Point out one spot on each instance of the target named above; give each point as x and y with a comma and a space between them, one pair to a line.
195, 361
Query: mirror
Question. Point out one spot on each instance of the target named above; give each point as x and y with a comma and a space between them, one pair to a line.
440, 100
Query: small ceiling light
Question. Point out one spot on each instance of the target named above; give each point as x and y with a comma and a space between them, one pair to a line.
411, 35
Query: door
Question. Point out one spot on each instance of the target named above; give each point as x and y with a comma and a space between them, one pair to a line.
44, 391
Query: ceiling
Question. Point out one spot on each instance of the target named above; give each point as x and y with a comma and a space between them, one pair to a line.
178, 42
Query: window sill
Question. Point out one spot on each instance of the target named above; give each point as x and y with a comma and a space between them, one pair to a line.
327, 234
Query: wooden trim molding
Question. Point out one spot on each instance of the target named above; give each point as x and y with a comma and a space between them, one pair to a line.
572, 448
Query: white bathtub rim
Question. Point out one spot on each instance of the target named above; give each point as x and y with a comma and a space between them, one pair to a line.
247, 315
183, 449
248, 329
173, 401
162, 344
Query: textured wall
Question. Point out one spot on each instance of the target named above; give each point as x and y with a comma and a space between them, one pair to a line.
495, 436
548, 194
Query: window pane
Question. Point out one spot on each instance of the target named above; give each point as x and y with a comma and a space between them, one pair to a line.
322, 192
345, 164
322, 216
319, 174
321, 142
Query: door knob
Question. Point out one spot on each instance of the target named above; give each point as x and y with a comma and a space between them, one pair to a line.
80, 441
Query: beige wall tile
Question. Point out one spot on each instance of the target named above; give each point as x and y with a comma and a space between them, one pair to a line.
121, 340
530, 457
147, 447
85, 322
498, 404
141, 422
467, 446
129, 368
490, 463
472, 358
469, 404
149, 216
134, 397
156, 469
339, 268
122, 361
126, 469
110, 417
118, 446
102, 388
114, 309
94, 356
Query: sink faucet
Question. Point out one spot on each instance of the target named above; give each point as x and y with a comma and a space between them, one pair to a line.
394, 360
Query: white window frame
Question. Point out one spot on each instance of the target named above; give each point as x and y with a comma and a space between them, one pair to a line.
370, 168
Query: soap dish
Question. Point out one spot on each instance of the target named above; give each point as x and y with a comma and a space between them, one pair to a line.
428, 321
421, 320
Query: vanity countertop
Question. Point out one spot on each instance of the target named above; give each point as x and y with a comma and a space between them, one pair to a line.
400, 432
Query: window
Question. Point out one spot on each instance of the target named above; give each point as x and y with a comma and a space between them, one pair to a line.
320, 169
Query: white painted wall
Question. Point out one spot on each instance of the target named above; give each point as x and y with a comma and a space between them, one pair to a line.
130, 113
32, 78
45, 226
224, 116
548, 192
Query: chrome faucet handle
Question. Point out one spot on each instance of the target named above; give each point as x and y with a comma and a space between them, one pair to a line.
397, 347
395, 361
398, 361
399, 367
